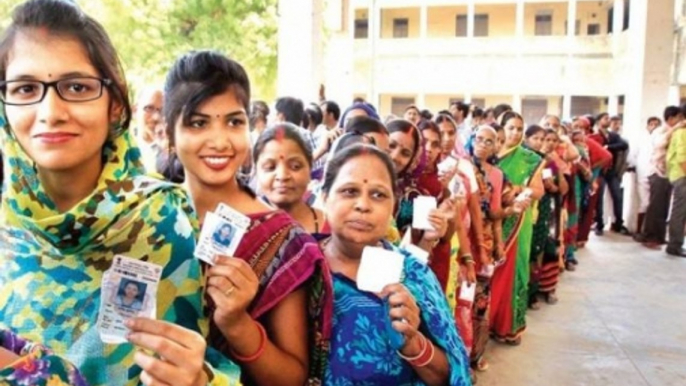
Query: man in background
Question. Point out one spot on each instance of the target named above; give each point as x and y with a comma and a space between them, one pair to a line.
147, 114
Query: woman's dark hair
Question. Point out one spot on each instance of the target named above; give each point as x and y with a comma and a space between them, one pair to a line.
196, 77
314, 115
500, 110
443, 117
425, 124
64, 19
497, 127
533, 130
412, 107
259, 111
334, 165
426, 114
506, 116
349, 139
365, 125
408, 128
551, 131
278, 132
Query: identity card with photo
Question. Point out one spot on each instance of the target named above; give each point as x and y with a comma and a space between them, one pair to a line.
379, 267
220, 235
129, 289
420, 216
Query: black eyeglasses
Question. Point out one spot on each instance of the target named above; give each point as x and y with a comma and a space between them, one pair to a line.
29, 92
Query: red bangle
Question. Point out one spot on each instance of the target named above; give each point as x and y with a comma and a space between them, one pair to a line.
260, 350
427, 358
422, 350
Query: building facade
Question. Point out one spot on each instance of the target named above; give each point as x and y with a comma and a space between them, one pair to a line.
564, 57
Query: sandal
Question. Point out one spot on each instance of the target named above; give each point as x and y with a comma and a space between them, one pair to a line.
514, 342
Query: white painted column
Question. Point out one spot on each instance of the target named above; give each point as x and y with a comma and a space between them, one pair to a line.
618, 17
571, 19
423, 21
471, 10
566, 106
300, 54
374, 36
517, 103
519, 19
613, 105
421, 100
650, 52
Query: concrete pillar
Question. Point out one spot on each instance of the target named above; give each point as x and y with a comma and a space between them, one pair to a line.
613, 105
647, 86
618, 17
517, 103
374, 36
471, 10
566, 106
519, 19
421, 100
300, 48
423, 21
571, 19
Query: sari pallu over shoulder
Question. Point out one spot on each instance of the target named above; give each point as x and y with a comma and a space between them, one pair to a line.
285, 258
52, 263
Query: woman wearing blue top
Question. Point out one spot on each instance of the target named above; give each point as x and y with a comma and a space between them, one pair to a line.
358, 200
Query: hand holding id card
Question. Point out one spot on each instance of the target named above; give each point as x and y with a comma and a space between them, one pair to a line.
129, 289
406, 244
422, 206
221, 233
378, 268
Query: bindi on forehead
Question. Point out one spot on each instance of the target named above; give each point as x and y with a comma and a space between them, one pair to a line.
364, 181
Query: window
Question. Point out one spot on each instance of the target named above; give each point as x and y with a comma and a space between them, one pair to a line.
544, 25
593, 29
461, 26
361, 29
398, 105
481, 24
401, 28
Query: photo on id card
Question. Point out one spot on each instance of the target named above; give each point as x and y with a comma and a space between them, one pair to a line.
219, 236
129, 289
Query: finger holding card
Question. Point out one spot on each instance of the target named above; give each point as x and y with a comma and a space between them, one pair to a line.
439, 225
182, 350
232, 284
404, 311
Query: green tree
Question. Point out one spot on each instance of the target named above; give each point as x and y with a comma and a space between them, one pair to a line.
151, 34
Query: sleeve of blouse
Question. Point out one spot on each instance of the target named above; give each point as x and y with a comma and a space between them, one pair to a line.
438, 324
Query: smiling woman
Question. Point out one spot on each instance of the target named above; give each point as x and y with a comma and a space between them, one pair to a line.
277, 270
77, 197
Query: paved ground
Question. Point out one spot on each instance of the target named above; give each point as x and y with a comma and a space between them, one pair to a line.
621, 320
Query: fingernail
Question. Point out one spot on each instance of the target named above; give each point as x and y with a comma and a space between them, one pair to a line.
128, 323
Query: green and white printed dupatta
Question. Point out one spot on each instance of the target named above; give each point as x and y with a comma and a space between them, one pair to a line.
51, 263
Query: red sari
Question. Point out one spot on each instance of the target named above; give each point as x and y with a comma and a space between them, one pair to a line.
600, 159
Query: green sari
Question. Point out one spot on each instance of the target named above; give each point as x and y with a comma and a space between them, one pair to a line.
52, 263
510, 282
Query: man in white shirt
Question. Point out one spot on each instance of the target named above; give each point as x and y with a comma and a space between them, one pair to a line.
460, 112
147, 114
640, 156
654, 229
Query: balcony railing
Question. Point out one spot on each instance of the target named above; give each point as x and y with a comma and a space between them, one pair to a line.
588, 46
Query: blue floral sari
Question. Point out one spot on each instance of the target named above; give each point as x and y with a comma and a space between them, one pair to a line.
361, 352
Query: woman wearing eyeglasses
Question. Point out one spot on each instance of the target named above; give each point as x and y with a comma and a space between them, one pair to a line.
78, 196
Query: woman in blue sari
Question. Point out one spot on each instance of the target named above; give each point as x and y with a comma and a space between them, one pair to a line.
404, 335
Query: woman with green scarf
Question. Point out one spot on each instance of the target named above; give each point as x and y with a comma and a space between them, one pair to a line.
75, 195
509, 296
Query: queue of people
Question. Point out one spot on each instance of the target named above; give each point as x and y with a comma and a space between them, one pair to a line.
320, 187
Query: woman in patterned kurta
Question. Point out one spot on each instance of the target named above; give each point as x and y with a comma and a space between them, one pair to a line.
75, 196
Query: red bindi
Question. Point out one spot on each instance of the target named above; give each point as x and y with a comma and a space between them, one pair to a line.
281, 157
365, 181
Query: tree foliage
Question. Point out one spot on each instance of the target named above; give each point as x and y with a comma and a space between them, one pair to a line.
150, 34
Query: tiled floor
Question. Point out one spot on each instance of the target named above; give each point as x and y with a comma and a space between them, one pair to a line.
621, 320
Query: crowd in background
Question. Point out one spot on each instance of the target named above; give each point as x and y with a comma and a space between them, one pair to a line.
89, 176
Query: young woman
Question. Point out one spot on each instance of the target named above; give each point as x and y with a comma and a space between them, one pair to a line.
409, 159
556, 188
359, 200
78, 196
509, 294
259, 298
542, 246
283, 162
491, 183
429, 183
